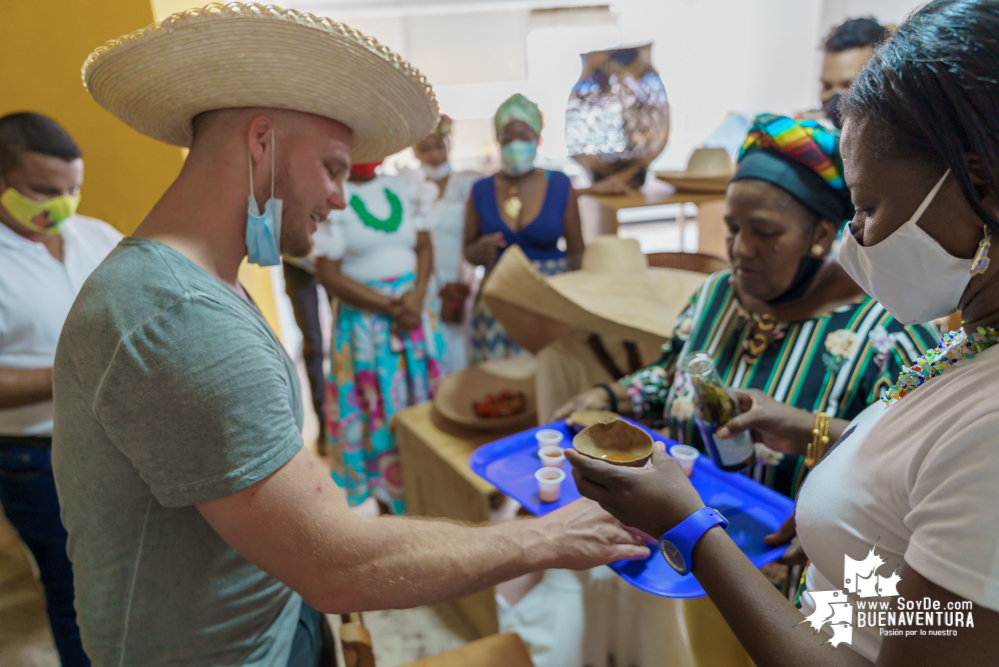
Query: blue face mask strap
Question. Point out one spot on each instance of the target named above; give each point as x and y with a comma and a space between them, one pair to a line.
249, 162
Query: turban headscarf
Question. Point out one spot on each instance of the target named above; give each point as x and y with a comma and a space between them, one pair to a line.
518, 107
802, 158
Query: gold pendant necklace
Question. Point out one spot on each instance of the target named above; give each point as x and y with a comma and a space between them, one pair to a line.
513, 205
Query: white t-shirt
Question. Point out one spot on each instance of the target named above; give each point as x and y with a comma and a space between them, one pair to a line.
36, 293
371, 253
920, 478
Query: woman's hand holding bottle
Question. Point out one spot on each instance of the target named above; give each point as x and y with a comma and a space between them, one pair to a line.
779, 426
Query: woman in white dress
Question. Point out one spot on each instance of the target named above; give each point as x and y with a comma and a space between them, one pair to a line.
453, 277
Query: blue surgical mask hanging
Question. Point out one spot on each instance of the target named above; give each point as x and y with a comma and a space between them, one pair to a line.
263, 230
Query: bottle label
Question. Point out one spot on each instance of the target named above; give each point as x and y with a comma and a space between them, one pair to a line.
728, 453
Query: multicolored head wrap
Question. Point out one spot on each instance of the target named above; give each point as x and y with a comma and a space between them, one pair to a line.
518, 107
802, 158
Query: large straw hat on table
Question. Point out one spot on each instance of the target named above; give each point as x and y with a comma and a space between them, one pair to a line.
615, 293
247, 55
708, 170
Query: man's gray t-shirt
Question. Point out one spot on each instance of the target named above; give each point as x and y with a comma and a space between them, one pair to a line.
170, 390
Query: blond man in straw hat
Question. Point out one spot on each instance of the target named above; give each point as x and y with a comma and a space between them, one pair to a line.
197, 522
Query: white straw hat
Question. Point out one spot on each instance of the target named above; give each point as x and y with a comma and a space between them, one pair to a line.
614, 293
708, 170
247, 55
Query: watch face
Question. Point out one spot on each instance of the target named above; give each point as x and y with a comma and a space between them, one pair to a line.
672, 556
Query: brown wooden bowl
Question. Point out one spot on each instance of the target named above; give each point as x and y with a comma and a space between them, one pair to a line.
616, 442
456, 393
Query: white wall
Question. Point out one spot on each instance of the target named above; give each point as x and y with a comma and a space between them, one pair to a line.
714, 56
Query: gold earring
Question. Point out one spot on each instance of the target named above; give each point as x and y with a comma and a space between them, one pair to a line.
981, 262
817, 250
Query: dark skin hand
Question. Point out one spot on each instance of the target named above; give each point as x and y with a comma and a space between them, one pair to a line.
482, 249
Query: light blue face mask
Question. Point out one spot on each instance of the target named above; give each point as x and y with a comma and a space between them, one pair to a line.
263, 230
518, 156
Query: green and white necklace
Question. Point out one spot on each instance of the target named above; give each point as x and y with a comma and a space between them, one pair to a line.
389, 224
954, 347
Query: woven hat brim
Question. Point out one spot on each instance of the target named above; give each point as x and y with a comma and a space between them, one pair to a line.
691, 184
642, 309
230, 56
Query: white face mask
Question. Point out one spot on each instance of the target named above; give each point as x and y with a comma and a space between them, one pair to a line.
438, 173
909, 272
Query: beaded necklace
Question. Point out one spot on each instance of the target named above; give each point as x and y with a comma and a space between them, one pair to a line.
954, 347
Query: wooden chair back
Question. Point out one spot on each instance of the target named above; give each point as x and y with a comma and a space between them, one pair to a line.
687, 261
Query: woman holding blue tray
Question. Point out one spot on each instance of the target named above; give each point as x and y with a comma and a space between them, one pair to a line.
903, 506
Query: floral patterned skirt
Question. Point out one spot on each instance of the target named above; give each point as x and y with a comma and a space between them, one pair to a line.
377, 371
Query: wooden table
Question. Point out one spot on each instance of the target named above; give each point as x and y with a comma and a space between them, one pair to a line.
439, 483
598, 213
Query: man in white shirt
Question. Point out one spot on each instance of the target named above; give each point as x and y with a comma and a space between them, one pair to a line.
46, 253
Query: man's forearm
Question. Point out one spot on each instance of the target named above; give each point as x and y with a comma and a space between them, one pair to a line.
416, 562
24, 386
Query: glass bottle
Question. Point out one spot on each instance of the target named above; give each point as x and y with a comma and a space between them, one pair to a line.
715, 408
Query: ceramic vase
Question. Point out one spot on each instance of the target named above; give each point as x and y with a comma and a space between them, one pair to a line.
617, 119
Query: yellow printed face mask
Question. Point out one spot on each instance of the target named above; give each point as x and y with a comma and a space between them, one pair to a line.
46, 217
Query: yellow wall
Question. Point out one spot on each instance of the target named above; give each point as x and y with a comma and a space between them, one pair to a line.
45, 43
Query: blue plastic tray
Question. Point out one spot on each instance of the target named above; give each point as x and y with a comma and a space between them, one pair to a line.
752, 509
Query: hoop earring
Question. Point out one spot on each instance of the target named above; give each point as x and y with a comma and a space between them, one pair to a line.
981, 262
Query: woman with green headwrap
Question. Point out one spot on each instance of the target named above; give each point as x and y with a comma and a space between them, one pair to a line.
520, 205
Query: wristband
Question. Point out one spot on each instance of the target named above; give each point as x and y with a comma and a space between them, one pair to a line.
677, 545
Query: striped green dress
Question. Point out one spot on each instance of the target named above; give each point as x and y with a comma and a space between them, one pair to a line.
839, 362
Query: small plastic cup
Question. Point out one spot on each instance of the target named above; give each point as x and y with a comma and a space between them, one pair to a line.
549, 437
549, 483
686, 456
551, 456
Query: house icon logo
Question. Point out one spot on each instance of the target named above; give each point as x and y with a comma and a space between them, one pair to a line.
860, 579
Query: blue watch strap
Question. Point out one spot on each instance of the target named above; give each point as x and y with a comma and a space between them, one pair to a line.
676, 545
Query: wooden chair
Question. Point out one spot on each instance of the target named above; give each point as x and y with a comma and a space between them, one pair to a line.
687, 261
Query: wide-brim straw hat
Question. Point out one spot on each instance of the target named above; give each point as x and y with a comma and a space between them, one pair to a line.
453, 398
247, 55
615, 293
708, 170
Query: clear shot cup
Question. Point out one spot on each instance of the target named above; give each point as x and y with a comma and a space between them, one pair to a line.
551, 456
549, 483
549, 437
686, 456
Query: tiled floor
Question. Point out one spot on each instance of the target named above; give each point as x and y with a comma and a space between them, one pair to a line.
25, 638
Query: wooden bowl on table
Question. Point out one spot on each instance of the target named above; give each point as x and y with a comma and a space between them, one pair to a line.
459, 391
